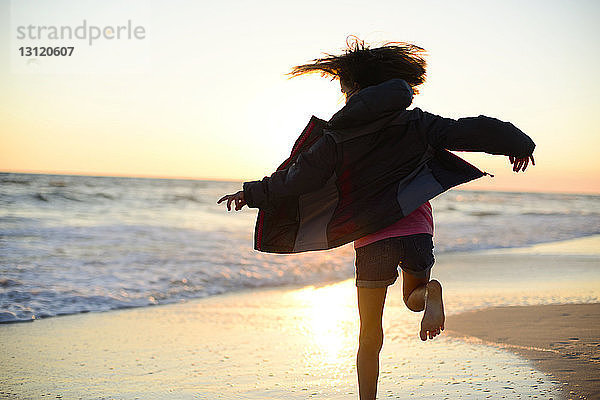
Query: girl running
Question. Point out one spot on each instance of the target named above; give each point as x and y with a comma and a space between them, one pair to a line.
367, 176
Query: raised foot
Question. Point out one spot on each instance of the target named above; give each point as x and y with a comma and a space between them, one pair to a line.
433, 320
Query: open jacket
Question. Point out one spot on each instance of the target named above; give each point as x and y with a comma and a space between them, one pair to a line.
371, 164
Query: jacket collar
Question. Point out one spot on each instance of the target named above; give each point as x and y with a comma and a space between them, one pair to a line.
373, 103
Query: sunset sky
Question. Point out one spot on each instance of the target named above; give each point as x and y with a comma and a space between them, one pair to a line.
204, 94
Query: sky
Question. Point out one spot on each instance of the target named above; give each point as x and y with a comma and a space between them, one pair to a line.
204, 94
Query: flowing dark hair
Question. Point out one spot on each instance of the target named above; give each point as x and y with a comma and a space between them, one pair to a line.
367, 66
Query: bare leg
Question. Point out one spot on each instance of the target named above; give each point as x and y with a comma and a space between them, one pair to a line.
370, 309
422, 294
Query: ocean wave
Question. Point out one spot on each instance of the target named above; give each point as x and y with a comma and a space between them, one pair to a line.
72, 196
48, 197
96, 244
484, 213
12, 317
11, 219
15, 181
560, 214
186, 197
95, 197
41, 197
532, 213
57, 184
6, 282
105, 196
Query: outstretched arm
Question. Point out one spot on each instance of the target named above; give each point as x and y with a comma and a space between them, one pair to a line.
480, 133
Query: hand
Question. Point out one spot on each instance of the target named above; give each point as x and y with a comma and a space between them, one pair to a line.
237, 197
519, 164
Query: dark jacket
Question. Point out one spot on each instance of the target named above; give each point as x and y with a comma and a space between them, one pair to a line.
373, 163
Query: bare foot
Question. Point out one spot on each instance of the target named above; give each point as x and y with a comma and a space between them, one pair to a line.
432, 323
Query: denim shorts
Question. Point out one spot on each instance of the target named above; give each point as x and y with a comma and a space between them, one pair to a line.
377, 263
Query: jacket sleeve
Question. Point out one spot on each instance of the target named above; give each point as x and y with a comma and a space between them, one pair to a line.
480, 133
309, 172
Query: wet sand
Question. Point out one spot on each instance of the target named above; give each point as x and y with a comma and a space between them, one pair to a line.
562, 340
300, 342
273, 344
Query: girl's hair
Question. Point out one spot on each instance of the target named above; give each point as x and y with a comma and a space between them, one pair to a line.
366, 66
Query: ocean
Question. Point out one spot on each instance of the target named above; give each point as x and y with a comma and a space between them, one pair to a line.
73, 244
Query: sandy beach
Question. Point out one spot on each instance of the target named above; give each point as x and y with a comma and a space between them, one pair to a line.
562, 340
300, 342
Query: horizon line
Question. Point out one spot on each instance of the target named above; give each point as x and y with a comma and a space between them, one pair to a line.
214, 179
117, 175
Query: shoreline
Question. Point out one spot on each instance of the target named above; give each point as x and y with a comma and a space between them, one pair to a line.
562, 340
298, 342
583, 246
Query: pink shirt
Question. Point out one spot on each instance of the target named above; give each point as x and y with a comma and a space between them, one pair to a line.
418, 221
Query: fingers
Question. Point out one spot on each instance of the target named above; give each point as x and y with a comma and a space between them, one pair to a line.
521, 164
229, 199
517, 164
237, 199
222, 198
527, 162
239, 204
